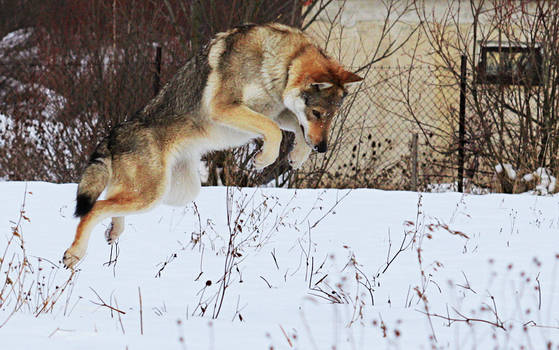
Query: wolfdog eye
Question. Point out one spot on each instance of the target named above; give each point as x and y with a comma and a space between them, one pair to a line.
316, 114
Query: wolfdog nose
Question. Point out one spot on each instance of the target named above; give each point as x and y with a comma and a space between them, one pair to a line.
321, 147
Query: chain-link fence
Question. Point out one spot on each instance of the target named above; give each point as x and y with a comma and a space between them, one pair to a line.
398, 131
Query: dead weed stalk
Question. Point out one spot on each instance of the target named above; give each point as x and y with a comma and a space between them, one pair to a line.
29, 285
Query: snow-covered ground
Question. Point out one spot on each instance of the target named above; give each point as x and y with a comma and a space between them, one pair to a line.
305, 269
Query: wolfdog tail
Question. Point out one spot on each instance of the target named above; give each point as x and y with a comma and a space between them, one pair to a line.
94, 179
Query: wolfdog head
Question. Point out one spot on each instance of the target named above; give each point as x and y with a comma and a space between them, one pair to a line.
317, 100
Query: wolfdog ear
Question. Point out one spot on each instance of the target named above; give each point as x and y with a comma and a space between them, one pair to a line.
321, 81
348, 78
322, 86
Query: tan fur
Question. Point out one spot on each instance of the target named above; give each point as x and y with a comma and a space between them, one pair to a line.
251, 81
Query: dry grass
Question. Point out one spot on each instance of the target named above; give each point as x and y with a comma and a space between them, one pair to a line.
32, 284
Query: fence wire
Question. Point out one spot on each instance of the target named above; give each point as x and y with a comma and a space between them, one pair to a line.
374, 135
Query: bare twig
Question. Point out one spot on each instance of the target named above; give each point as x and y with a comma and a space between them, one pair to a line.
464, 318
269, 285
539, 292
141, 312
286, 336
103, 304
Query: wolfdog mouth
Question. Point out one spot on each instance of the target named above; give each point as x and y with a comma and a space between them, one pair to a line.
306, 138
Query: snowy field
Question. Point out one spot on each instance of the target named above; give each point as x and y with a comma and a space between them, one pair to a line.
285, 269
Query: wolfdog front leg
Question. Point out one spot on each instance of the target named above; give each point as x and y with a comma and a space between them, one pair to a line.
301, 150
245, 119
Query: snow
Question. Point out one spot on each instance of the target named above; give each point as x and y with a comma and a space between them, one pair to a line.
15, 38
52, 102
453, 187
12, 45
547, 182
528, 177
307, 266
6, 124
509, 170
544, 182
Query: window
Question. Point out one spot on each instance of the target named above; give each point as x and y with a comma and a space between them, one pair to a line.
510, 64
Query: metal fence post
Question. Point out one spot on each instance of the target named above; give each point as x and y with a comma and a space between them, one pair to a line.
462, 123
157, 74
414, 162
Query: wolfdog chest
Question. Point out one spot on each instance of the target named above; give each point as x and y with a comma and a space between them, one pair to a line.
256, 97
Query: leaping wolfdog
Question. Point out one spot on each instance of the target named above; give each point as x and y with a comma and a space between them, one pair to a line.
251, 81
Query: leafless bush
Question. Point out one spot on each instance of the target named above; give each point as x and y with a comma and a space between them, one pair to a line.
31, 283
67, 82
512, 96
251, 222
253, 219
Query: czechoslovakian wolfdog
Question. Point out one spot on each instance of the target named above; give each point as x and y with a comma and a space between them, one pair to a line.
251, 81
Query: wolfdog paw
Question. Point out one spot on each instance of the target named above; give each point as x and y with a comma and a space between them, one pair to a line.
262, 159
298, 155
72, 256
115, 229
111, 234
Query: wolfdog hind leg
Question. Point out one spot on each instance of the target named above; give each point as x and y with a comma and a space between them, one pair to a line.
115, 229
123, 203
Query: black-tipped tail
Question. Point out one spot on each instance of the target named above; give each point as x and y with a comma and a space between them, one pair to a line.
84, 204
94, 179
